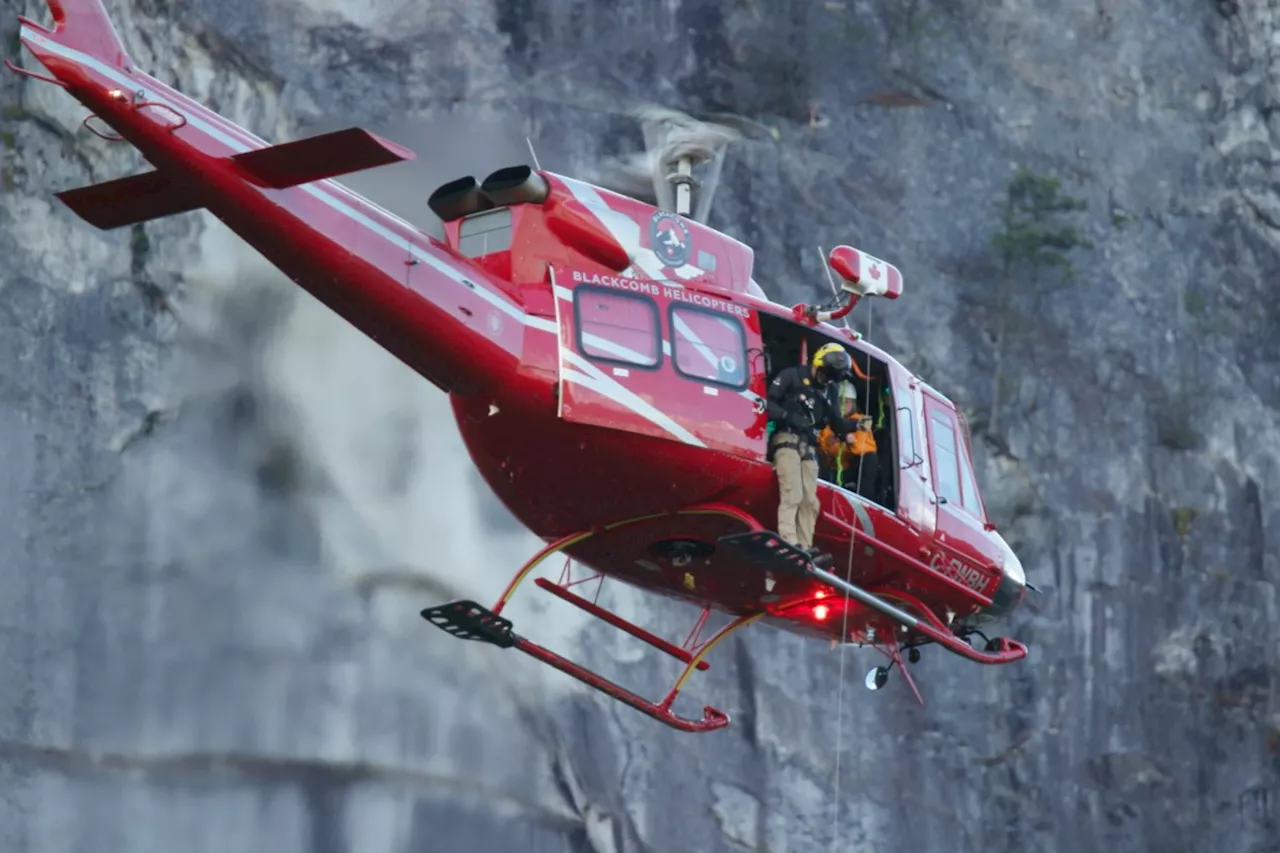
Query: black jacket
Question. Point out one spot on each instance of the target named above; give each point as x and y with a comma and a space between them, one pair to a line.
799, 406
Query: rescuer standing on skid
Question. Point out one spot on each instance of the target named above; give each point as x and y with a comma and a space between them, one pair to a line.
799, 407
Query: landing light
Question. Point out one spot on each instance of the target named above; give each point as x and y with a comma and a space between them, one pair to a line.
877, 678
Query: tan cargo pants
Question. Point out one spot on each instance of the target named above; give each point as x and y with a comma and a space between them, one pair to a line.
798, 505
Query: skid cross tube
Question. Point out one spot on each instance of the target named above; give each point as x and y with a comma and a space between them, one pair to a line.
574, 538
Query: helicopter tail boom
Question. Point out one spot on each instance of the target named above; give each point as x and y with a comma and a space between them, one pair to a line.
395, 284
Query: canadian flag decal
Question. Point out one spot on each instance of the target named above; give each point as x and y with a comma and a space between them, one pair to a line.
873, 268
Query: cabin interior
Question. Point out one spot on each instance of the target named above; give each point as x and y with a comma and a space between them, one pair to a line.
787, 343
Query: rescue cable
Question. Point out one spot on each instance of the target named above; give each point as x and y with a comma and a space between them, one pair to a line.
844, 628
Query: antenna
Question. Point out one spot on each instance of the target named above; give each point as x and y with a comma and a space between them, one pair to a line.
532, 153
831, 279
835, 291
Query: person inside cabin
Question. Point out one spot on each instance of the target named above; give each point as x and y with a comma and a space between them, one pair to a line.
850, 462
798, 406
833, 448
829, 443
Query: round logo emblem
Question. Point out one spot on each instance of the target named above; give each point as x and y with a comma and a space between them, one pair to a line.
669, 238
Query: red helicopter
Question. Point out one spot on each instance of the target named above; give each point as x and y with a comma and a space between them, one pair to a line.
607, 361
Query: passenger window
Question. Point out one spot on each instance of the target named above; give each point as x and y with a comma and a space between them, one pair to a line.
709, 346
618, 327
945, 464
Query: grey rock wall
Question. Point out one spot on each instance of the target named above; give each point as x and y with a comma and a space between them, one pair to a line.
222, 509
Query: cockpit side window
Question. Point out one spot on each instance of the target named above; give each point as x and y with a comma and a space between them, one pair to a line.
946, 467
971, 504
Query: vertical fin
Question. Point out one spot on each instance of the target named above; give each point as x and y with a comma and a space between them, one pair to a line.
84, 25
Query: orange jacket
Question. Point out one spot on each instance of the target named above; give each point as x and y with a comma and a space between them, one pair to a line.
830, 444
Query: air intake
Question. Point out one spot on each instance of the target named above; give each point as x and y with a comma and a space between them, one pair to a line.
515, 185
457, 199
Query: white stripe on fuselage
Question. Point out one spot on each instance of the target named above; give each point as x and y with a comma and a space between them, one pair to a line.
626, 231
858, 504
598, 381
603, 385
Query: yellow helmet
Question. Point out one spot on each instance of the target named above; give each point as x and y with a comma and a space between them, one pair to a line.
824, 351
832, 362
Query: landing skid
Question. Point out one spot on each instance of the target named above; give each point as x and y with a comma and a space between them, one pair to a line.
469, 621
767, 550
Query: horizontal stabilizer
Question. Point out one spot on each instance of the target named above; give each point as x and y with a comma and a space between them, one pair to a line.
319, 157
128, 201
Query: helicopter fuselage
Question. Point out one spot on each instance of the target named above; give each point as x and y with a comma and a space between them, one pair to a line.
607, 360
641, 386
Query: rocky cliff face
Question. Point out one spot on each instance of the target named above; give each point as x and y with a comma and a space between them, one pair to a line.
222, 508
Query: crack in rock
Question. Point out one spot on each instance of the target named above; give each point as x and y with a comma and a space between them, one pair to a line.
279, 770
